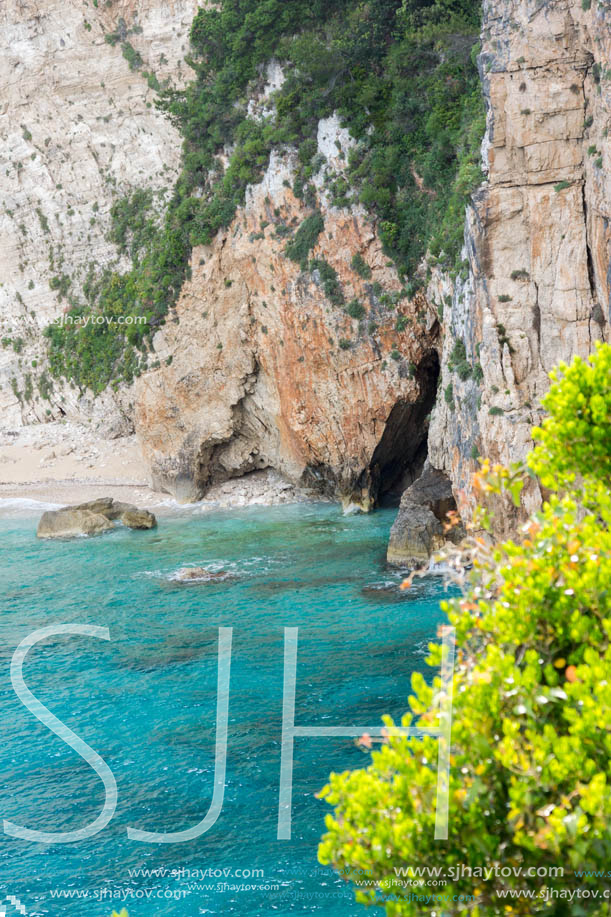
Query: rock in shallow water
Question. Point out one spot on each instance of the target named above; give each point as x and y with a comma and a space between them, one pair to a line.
418, 530
199, 574
92, 518
138, 519
71, 522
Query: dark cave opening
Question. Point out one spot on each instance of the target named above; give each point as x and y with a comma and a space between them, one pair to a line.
401, 453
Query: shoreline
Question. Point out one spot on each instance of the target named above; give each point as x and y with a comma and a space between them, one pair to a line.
32, 497
61, 463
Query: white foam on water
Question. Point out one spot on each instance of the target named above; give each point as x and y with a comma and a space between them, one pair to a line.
17, 506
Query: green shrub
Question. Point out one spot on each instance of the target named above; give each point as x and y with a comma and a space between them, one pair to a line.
575, 438
530, 756
132, 227
458, 360
360, 266
503, 338
562, 185
496, 411
306, 237
133, 57
330, 281
61, 284
355, 309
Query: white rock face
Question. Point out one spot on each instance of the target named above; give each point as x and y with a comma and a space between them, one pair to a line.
78, 129
262, 107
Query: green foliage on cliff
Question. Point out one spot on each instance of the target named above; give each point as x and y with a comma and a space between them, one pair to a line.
575, 438
531, 746
402, 77
306, 238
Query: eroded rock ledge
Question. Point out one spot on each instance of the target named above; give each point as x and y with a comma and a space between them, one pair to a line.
420, 528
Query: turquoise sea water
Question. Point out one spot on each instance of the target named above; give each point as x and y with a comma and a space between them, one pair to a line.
146, 702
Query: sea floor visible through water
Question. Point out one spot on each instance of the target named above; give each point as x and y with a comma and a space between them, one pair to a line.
146, 701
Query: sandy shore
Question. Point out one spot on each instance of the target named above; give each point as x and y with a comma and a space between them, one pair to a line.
61, 463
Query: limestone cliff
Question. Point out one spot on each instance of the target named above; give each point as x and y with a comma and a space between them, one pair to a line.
537, 237
259, 369
255, 367
78, 127
538, 285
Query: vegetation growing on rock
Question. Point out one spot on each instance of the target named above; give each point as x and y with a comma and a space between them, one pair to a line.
401, 76
530, 759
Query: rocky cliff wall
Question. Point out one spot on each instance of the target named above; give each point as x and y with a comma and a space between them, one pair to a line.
79, 128
259, 368
255, 366
537, 239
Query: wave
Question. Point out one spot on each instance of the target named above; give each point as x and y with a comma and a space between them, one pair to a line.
20, 505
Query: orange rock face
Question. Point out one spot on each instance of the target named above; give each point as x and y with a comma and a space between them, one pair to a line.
262, 370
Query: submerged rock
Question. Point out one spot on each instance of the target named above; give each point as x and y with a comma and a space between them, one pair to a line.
92, 518
199, 574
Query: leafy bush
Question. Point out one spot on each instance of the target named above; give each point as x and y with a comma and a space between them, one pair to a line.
355, 309
330, 281
360, 266
575, 438
458, 360
306, 238
133, 57
132, 227
531, 752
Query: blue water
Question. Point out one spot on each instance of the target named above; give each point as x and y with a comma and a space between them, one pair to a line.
146, 702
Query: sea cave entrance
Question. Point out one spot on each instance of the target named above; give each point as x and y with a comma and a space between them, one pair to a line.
400, 455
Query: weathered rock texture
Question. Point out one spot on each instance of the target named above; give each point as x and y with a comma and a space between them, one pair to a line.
261, 370
256, 368
422, 525
78, 129
537, 237
93, 518
72, 522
